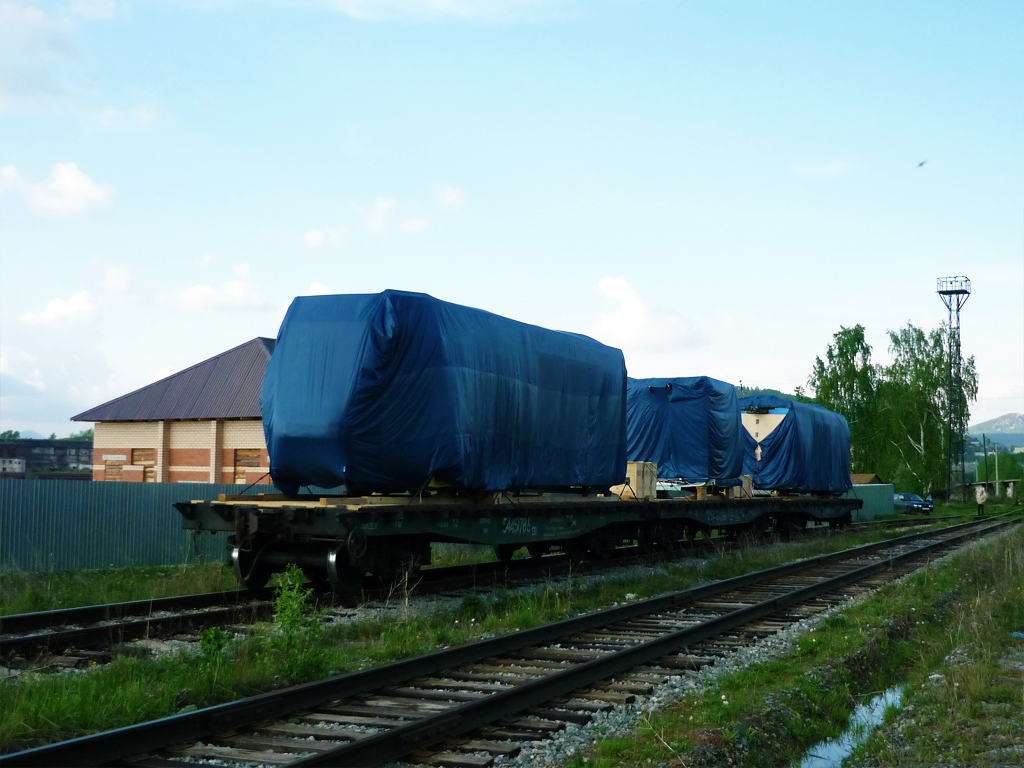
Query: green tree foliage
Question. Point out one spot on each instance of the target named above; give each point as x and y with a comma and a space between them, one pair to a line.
10, 434
914, 406
85, 434
1011, 466
897, 413
845, 382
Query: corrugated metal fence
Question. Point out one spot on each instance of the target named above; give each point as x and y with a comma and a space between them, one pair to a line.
63, 525
877, 499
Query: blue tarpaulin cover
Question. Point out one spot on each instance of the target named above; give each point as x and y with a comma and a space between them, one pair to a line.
390, 391
690, 427
809, 451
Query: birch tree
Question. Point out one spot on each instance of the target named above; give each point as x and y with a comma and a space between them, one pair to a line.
846, 382
913, 407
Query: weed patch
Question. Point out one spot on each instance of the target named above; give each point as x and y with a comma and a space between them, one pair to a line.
31, 592
298, 647
769, 713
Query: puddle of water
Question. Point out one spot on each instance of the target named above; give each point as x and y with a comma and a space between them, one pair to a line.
829, 754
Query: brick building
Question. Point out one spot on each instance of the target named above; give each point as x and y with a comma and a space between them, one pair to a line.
201, 425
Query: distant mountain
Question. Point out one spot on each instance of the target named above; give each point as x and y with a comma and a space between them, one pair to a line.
31, 434
1008, 422
751, 391
1007, 430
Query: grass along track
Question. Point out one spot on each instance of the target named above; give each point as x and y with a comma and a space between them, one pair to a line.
944, 634
562, 672
39, 709
82, 636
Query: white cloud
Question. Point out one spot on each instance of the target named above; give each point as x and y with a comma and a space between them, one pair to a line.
65, 373
318, 289
21, 366
33, 42
633, 324
41, 68
821, 171
116, 280
314, 238
379, 218
450, 198
242, 293
69, 192
77, 309
329, 236
415, 226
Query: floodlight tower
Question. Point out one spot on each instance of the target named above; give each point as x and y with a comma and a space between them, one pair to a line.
954, 292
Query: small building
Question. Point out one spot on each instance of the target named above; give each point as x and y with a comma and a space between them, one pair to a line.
200, 425
12, 466
866, 479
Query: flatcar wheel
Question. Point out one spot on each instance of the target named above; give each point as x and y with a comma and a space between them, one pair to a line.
344, 578
250, 572
504, 552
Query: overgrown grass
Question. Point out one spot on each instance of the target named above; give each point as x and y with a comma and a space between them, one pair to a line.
769, 713
970, 508
978, 703
443, 555
297, 647
30, 592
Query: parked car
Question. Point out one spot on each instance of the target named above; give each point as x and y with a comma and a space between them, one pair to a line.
911, 502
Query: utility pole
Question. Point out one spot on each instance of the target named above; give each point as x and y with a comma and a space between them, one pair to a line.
984, 447
995, 456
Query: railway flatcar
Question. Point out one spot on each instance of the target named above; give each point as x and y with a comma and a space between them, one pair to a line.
450, 424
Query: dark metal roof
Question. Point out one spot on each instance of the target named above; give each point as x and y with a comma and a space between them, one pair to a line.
224, 387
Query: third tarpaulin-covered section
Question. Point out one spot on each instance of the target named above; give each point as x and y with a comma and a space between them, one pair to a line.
688, 426
789, 445
394, 391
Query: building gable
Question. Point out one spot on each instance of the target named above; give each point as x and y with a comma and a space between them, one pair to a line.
224, 387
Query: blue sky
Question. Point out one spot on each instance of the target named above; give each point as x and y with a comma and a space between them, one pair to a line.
714, 187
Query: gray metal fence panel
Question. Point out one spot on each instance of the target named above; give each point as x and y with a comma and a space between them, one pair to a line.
877, 499
65, 525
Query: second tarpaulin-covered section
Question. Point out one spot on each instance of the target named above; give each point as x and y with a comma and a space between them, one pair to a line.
789, 445
690, 427
397, 391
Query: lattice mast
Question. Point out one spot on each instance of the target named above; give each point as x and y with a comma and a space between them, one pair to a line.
954, 292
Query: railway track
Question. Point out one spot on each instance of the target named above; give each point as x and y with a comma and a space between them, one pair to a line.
88, 634
464, 706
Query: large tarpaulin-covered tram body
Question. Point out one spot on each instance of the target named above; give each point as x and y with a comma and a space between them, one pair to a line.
690, 427
396, 391
807, 449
